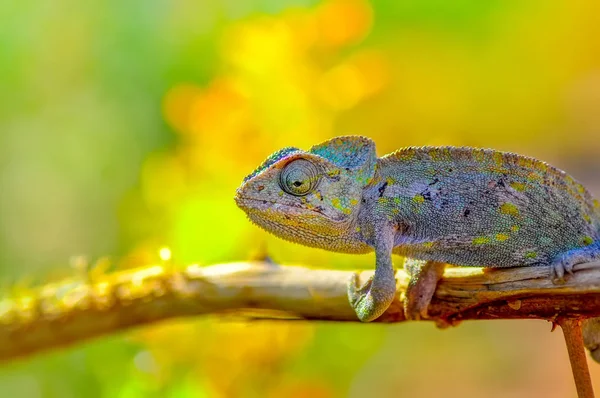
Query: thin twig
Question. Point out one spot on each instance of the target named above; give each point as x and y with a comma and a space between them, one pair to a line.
573, 338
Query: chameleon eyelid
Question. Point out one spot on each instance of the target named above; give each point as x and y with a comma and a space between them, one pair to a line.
310, 170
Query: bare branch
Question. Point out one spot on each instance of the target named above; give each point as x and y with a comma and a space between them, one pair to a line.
574, 341
66, 313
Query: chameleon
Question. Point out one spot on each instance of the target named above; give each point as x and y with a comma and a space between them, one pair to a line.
434, 206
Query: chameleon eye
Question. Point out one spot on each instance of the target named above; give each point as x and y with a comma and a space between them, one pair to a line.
299, 177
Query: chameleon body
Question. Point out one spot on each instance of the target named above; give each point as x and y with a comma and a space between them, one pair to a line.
453, 205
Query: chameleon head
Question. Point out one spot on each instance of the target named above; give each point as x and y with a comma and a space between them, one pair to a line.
310, 197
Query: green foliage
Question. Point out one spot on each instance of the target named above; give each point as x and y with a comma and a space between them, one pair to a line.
127, 126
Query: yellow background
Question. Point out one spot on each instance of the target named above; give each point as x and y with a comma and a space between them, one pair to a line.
127, 126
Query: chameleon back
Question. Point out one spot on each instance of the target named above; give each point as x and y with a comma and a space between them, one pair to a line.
467, 206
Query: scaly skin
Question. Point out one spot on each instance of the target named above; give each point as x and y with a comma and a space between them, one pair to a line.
435, 205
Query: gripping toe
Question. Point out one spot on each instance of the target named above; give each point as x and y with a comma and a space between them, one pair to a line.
420, 290
564, 263
371, 299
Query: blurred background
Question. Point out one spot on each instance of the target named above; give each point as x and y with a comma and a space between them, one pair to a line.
127, 126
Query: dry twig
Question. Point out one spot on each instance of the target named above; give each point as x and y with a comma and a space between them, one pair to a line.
66, 313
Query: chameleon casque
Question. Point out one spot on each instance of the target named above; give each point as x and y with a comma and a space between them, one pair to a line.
433, 205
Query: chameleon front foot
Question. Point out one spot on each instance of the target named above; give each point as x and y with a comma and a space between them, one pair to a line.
371, 299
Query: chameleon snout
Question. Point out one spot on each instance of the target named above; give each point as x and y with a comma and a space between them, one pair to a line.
239, 198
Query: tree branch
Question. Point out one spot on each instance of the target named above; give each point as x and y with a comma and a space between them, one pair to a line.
66, 313
574, 341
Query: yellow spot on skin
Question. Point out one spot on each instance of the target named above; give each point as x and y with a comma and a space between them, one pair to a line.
418, 199
481, 240
580, 188
406, 154
514, 228
498, 158
397, 201
335, 202
501, 237
510, 209
541, 166
390, 180
353, 202
531, 255
533, 176
395, 211
518, 186
280, 193
526, 163
587, 218
596, 203
333, 173
382, 200
318, 195
362, 178
478, 155
427, 245
587, 240
357, 229
439, 153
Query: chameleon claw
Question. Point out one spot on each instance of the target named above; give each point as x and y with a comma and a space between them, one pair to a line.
358, 296
354, 287
569, 270
421, 288
557, 273
566, 262
368, 301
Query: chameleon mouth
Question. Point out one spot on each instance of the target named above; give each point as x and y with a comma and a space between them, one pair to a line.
334, 240
257, 206
242, 201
